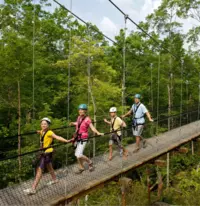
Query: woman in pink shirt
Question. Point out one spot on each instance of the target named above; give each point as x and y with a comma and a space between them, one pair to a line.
83, 124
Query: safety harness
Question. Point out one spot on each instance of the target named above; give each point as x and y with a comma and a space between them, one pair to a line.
42, 141
135, 124
77, 136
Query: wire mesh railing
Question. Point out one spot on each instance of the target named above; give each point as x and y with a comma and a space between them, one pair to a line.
15, 178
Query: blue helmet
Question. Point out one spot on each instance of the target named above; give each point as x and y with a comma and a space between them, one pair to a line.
137, 96
83, 106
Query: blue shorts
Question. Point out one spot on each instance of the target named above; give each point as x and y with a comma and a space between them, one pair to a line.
45, 159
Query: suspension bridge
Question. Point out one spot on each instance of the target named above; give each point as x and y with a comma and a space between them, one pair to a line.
72, 186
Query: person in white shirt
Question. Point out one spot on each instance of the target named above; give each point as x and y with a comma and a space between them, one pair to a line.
138, 110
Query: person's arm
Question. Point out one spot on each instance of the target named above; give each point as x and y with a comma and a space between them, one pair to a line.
149, 116
61, 139
127, 114
95, 130
72, 123
106, 121
123, 124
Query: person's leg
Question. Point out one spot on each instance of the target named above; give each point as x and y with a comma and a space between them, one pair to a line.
51, 171
110, 148
37, 178
138, 141
79, 154
110, 152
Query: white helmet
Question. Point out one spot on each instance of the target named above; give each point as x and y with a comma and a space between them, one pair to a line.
113, 109
47, 120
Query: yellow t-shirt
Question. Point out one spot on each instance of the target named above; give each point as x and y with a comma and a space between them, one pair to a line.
47, 140
117, 124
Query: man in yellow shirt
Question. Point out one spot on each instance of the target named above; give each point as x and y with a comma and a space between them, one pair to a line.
116, 124
46, 140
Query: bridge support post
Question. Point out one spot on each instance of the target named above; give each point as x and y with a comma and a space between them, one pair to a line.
192, 145
125, 184
86, 200
167, 169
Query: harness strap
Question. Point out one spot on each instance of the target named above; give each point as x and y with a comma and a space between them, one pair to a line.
112, 126
79, 126
42, 140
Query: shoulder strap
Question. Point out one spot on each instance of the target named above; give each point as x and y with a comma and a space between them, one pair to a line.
79, 124
137, 108
42, 138
112, 126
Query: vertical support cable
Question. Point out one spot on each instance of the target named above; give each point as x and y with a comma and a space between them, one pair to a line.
124, 65
33, 63
158, 93
68, 91
69, 71
89, 59
181, 95
151, 66
187, 99
199, 97
88, 64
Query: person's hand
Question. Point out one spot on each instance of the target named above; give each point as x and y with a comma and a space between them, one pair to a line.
151, 120
100, 134
38, 131
71, 124
105, 120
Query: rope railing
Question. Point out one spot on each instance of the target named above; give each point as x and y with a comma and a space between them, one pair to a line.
95, 136
69, 127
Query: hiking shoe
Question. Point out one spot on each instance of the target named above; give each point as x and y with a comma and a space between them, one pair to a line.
52, 182
136, 149
121, 152
79, 171
91, 167
30, 191
144, 143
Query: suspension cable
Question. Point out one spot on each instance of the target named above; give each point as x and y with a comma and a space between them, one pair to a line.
147, 34
124, 65
181, 95
158, 91
199, 97
94, 28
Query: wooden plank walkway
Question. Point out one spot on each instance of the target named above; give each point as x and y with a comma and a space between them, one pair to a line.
71, 184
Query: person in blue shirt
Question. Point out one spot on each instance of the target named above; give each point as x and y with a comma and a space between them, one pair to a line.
138, 110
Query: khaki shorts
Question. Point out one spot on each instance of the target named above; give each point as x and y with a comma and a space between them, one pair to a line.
137, 131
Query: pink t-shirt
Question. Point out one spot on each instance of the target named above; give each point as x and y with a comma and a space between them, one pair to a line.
84, 126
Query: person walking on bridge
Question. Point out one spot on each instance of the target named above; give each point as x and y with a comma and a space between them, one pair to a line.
45, 161
80, 138
116, 123
139, 111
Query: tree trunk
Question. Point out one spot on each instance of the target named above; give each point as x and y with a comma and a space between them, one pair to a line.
19, 124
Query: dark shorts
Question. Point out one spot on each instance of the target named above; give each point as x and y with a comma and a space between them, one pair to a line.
114, 138
45, 159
